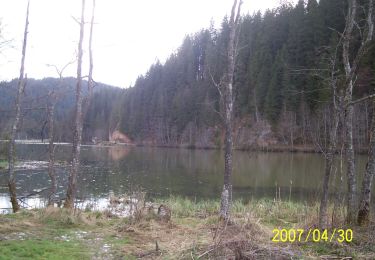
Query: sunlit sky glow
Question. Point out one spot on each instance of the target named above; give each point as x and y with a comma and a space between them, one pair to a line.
129, 36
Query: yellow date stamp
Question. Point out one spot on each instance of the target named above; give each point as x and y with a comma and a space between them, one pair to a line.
312, 235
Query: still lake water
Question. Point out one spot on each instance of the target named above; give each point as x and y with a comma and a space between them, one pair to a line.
161, 172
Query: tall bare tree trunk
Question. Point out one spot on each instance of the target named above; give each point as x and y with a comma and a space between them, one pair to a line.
364, 205
51, 147
329, 166
90, 83
52, 99
226, 196
91, 61
12, 148
350, 160
350, 166
77, 138
350, 74
332, 141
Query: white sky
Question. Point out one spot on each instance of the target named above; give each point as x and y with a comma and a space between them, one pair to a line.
129, 35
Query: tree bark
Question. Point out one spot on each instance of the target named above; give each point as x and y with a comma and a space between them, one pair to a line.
350, 167
90, 81
227, 81
12, 144
51, 148
328, 169
350, 73
364, 205
77, 138
349, 152
91, 61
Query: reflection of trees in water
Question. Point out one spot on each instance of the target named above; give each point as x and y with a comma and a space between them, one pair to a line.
114, 153
193, 173
117, 153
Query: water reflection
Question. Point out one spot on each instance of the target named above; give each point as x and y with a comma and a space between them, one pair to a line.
163, 172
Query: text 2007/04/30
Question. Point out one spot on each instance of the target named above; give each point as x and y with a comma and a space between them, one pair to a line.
313, 235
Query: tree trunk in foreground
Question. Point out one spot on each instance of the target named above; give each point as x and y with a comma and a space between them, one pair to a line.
351, 68
91, 61
90, 80
350, 161
364, 205
51, 148
77, 137
329, 166
12, 144
348, 117
226, 196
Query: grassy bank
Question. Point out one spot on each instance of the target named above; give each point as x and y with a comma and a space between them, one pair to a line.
193, 232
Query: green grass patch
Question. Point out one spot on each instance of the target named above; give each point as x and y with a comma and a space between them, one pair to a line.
117, 241
284, 213
42, 249
3, 164
270, 212
185, 207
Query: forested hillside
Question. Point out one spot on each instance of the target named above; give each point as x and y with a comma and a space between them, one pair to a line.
34, 108
281, 89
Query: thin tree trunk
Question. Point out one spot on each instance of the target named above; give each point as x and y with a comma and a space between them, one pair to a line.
364, 205
256, 106
226, 196
350, 170
12, 148
329, 166
350, 163
51, 148
91, 61
349, 152
77, 138
90, 82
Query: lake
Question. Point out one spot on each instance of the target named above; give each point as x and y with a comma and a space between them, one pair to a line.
197, 174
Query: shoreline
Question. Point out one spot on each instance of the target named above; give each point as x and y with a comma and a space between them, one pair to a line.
266, 149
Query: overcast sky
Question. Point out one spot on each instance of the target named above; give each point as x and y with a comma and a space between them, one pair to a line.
129, 35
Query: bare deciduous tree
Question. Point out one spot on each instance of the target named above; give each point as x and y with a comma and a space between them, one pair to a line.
51, 146
364, 205
77, 136
226, 84
91, 61
342, 106
90, 80
351, 68
51, 102
332, 141
20, 92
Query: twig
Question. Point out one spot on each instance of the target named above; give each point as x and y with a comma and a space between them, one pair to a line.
205, 253
34, 193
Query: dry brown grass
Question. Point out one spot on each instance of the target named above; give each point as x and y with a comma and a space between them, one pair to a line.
195, 231
201, 238
173, 238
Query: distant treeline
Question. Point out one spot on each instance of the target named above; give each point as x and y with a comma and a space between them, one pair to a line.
34, 107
